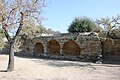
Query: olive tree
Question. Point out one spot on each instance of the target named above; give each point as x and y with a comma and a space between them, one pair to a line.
109, 24
14, 16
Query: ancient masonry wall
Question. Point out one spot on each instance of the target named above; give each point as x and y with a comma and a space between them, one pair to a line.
111, 49
78, 46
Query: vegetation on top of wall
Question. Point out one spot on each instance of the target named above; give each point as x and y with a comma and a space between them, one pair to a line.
72, 37
110, 26
82, 24
106, 27
114, 34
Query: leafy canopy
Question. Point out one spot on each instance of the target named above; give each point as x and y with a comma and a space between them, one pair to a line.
108, 23
17, 14
82, 24
110, 26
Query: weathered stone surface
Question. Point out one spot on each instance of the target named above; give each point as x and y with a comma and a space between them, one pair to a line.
111, 49
78, 46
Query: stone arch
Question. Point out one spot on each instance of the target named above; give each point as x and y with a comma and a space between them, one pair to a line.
53, 46
38, 48
71, 48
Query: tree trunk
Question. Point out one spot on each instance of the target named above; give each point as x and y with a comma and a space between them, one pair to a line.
11, 57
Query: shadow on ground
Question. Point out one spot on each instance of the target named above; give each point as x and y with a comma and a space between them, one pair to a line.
3, 70
62, 63
67, 63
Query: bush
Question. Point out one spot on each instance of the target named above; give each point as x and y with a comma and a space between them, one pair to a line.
82, 24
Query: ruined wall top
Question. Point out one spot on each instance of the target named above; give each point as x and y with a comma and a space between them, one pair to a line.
68, 35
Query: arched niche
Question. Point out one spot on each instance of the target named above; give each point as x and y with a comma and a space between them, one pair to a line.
71, 48
38, 48
53, 47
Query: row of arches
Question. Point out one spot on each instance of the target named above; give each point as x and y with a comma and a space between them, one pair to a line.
70, 47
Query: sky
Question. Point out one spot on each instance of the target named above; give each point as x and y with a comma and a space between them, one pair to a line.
60, 13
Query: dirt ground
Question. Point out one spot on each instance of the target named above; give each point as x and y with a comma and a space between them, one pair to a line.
42, 69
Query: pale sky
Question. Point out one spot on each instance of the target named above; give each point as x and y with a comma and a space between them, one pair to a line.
60, 13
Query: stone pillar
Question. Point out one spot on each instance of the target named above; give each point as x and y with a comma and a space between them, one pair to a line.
61, 48
45, 47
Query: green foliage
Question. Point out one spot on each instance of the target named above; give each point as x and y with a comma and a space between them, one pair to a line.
72, 37
1, 34
103, 34
105, 23
82, 24
114, 34
108, 23
111, 26
98, 29
2, 43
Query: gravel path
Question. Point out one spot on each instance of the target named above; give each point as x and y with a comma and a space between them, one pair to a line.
42, 69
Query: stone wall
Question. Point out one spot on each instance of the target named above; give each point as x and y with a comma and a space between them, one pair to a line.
111, 49
78, 46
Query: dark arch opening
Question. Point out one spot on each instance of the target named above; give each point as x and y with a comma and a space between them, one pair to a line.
38, 48
71, 48
53, 46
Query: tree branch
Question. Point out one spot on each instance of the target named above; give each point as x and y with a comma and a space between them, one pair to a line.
4, 25
10, 13
14, 23
20, 26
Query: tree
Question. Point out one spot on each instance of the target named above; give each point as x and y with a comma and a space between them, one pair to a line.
109, 23
14, 15
41, 29
82, 24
